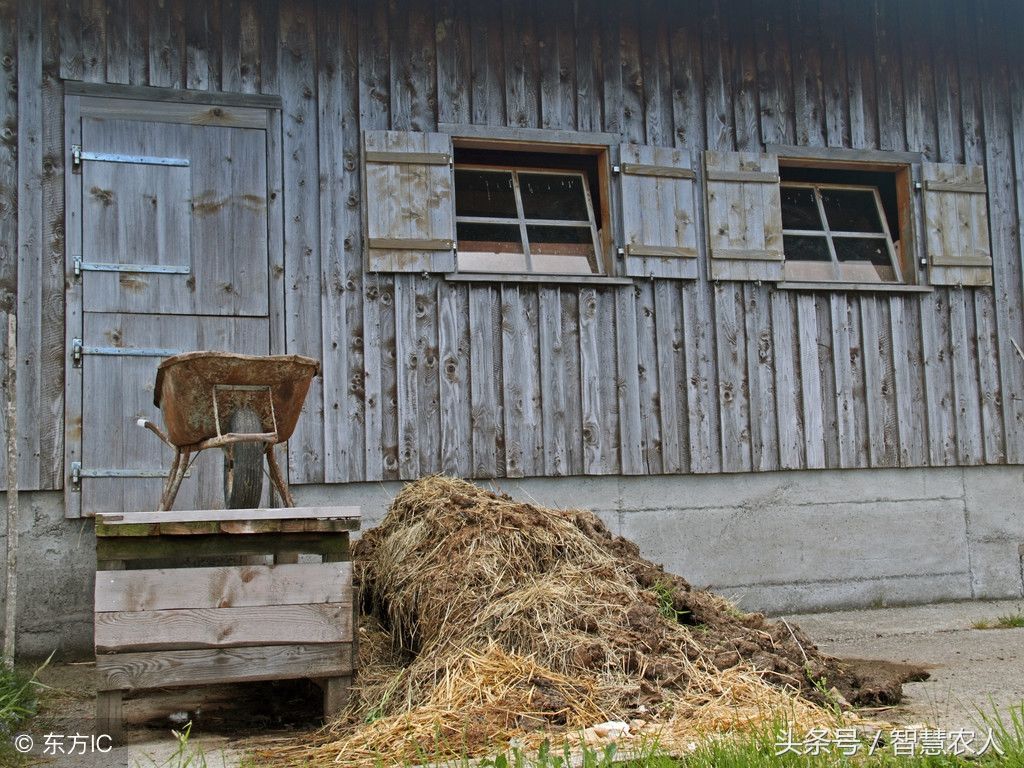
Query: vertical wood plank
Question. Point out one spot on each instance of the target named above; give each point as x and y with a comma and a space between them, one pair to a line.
938, 379
165, 42
857, 24
71, 58
454, 62
649, 384
588, 74
671, 369
8, 186
570, 321
834, 74
520, 385
687, 77
521, 80
656, 73
557, 54
774, 74
553, 368
407, 364
966, 395
331, 104
297, 57
590, 376
788, 403
810, 383
116, 38
732, 378
427, 373
485, 362
94, 48
809, 101
455, 372
487, 86
761, 362
31, 247
846, 425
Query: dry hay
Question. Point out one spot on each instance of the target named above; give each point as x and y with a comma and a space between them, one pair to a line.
494, 619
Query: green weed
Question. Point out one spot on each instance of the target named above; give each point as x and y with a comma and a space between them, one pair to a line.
1007, 621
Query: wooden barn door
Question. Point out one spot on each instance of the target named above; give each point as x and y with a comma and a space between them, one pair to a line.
169, 253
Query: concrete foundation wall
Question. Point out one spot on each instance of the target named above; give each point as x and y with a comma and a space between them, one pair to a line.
777, 542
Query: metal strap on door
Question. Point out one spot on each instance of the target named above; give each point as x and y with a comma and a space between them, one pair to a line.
78, 351
78, 156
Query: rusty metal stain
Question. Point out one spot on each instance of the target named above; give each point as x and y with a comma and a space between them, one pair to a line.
132, 283
105, 196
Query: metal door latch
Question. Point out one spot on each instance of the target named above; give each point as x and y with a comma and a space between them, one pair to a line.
76, 353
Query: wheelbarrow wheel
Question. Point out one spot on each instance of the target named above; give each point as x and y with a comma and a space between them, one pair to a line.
243, 464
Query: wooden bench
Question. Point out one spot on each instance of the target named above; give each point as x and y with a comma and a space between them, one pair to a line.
171, 626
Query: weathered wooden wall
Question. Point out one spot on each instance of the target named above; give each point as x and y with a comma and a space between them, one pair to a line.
423, 375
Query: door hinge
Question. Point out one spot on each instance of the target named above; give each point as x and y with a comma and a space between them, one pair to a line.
77, 473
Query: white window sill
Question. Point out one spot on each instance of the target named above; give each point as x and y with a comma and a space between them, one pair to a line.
506, 277
793, 285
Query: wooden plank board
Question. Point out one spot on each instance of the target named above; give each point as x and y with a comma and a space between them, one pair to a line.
988, 375
570, 322
218, 545
734, 403
966, 396
760, 355
861, 81
232, 515
810, 383
455, 383
484, 385
427, 375
296, 70
788, 405
121, 631
902, 388
454, 70
590, 375
637, 373
407, 362
335, 135
671, 372
553, 366
165, 668
649, 385
161, 589
938, 379
520, 383
30, 245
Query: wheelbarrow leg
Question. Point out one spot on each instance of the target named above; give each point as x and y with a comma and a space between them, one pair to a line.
278, 478
177, 474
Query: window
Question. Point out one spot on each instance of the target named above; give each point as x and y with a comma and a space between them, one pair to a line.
846, 224
527, 212
524, 220
837, 232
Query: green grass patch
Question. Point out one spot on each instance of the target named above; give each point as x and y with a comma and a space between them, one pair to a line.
1007, 621
19, 700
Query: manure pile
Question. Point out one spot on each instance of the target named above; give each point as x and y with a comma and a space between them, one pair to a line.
487, 619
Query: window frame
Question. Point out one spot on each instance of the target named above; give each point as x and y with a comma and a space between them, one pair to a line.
555, 142
795, 269
522, 222
906, 168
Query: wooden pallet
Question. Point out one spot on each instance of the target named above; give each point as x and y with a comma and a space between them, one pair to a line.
170, 626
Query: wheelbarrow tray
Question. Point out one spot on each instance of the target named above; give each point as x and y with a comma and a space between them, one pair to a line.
185, 385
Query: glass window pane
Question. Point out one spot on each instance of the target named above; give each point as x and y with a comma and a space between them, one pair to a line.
494, 238
484, 193
805, 248
574, 243
553, 196
870, 250
851, 210
799, 209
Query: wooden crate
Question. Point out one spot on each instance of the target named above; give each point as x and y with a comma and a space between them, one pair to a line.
175, 626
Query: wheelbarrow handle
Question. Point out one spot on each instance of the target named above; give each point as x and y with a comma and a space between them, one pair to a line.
156, 431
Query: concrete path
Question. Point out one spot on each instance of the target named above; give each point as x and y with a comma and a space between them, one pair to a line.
970, 668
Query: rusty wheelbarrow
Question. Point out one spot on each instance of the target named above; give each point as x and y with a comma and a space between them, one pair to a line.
243, 404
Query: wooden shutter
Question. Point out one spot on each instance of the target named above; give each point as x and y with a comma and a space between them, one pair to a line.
659, 217
744, 215
410, 206
956, 224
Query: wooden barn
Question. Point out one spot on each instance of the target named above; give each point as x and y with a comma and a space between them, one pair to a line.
744, 277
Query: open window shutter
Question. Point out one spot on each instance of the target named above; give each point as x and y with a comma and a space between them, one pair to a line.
410, 207
744, 215
658, 212
956, 224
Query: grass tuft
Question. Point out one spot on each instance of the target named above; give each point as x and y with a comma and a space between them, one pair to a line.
1007, 621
